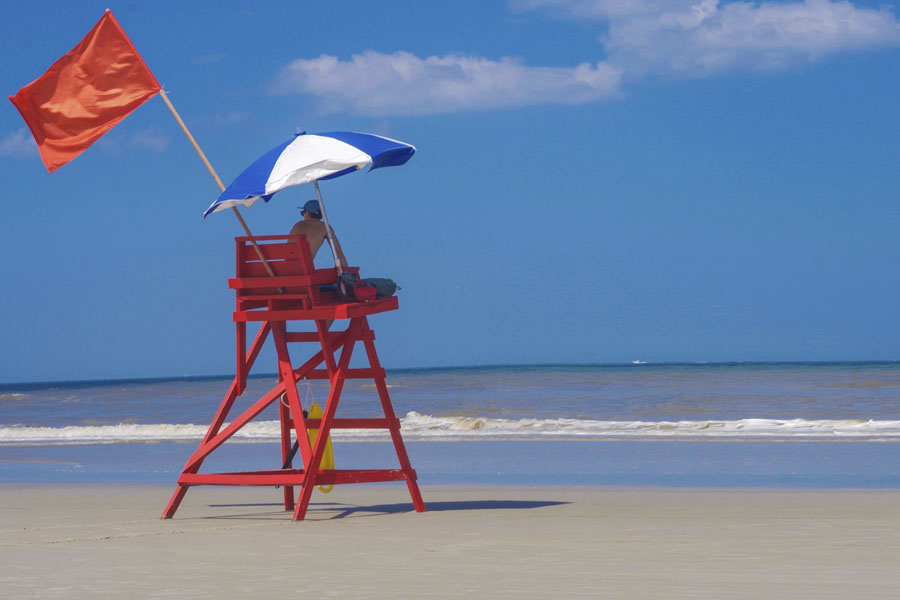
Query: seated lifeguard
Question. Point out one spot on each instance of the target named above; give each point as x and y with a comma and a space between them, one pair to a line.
314, 229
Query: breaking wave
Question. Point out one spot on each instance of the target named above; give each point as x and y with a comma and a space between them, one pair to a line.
417, 427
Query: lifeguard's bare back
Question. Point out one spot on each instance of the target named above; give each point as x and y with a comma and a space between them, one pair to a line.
314, 229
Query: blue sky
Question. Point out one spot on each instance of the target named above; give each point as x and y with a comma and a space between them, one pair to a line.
596, 181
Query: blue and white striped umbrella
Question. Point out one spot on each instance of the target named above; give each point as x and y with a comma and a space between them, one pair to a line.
310, 157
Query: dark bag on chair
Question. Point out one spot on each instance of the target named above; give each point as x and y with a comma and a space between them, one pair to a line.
351, 287
384, 288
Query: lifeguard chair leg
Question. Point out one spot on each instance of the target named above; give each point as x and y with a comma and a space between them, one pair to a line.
237, 387
328, 348
284, 416
337, 384
292, 414
240, 330
226, 405
368, 337
207, 447
288, 376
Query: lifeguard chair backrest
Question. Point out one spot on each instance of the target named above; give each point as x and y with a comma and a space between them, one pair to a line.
288, 256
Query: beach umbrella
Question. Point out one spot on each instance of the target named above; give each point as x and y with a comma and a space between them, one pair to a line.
310, 158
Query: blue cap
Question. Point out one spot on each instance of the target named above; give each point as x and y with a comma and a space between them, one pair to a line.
312, 206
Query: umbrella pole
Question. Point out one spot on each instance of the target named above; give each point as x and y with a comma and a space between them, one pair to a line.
212, 171
337, 262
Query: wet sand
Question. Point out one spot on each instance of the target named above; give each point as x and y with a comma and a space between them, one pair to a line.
365, 541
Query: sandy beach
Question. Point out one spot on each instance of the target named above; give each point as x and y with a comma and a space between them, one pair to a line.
364, 541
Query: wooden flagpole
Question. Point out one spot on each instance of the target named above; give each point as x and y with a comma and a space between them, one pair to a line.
218, 181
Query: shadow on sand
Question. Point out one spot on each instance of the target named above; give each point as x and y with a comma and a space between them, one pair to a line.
337, 510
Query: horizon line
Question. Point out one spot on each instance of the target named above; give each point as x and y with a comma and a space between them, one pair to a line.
493, 366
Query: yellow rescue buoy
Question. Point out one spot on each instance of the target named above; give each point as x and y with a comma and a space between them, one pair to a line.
315, 412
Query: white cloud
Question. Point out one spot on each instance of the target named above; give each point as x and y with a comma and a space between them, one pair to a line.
18, 144
696, 38
373, 83
636, 38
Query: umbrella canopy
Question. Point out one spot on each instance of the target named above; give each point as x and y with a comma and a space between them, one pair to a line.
310, 157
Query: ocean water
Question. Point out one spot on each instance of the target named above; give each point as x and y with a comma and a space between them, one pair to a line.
770, 424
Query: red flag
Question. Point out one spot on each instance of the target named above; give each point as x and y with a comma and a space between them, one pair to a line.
85, 93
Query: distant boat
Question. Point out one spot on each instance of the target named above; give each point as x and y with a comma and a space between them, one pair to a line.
639, 362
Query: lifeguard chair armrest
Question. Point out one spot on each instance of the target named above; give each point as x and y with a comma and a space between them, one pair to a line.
319, 277
267, 238
343, 310
239, 283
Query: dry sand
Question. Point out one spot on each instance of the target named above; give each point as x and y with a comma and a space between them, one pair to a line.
363, 541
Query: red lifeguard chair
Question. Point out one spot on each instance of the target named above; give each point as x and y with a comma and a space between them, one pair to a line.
290, 289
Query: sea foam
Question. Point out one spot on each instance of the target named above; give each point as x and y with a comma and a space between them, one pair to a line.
418, 427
